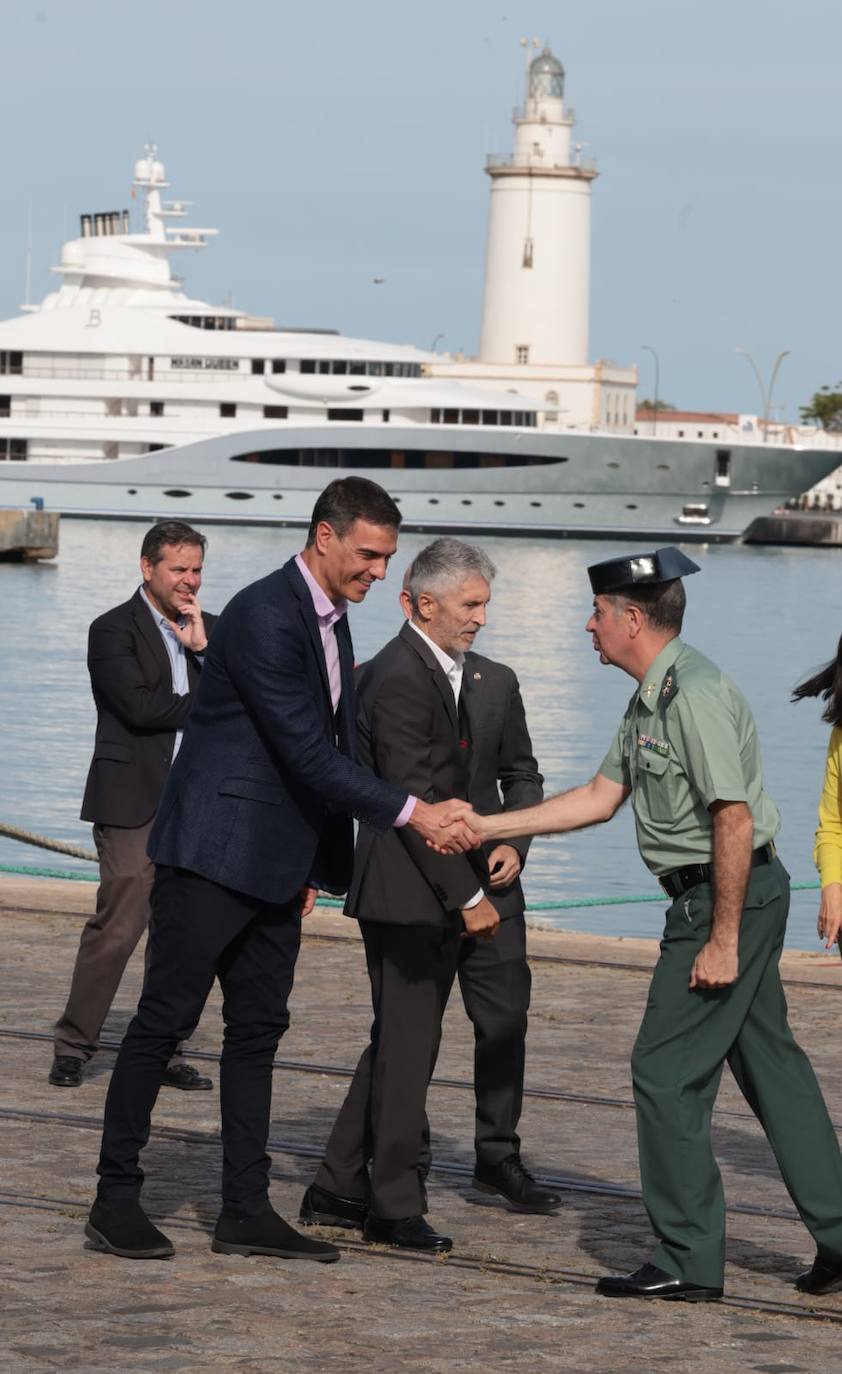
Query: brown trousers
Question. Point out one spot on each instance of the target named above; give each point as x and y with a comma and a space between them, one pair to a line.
109, 938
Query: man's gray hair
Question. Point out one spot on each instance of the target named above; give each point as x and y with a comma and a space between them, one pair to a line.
441, 564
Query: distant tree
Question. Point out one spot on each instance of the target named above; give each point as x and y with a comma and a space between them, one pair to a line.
650, 405
825, 408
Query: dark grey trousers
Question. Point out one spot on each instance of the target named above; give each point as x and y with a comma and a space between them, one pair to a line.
379, 1146
109, 938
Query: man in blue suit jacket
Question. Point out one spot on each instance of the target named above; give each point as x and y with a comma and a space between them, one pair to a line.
255, 817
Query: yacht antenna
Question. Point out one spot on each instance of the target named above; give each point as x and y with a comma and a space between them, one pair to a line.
28, 281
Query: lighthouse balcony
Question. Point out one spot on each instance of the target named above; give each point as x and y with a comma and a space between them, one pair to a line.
516, 164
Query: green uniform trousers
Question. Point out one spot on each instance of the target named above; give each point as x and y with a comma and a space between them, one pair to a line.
684, 1040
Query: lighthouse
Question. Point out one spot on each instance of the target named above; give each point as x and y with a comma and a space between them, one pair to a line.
537, 265
536, 293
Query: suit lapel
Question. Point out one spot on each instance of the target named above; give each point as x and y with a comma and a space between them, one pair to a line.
428, 658
151, 634
308, 615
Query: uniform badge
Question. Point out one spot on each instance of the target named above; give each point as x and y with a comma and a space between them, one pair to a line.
477, 677
649, 689
655, 746
669, 687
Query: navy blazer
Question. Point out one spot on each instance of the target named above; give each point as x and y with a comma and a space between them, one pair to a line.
261, 795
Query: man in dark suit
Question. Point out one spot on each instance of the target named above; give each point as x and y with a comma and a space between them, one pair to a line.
440, 720
255, 817
144, 658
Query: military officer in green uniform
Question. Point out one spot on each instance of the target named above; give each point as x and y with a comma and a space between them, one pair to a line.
687, 754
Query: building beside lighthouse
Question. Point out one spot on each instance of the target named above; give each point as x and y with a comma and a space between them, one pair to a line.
536, 293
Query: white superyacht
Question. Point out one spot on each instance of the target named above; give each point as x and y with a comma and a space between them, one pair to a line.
121, 397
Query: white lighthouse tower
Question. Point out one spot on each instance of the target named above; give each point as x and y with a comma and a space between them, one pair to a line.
537, 267
536, 295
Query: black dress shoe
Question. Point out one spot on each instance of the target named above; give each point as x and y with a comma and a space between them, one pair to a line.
319, 1207
268, 1234
822, 1278
652, 1282
66, 1071
409, 1233
124, 1229
516, 1185
187, 1078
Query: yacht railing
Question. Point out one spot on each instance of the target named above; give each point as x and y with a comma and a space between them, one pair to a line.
159, 376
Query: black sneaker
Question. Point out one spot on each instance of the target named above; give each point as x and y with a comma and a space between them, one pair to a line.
511, 1181
124, 1229
268, 1234
66, 1071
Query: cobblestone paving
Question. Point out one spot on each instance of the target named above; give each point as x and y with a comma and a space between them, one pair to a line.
516, 1295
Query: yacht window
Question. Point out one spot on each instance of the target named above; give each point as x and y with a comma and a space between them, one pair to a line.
5, 405
466, 501
14, 449
391, 458
435, 417
156, 448
279, 364
343, 413
505, 417
388, 369
156, 407
324, 365
534, 503
275, 412
240, 495
339, 367
357, 369
522, 353
11, 363
258, 366
451, 417
178, 491
386, 417
132, 491
489, 417
227, 410
307, 365
470, 417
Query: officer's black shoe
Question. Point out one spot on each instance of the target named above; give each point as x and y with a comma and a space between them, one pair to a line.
124, 1229
824, 1276
319, 1207
66, 1071
268, 1234
185, 1077
652, 1282
409, 1233
516, 1185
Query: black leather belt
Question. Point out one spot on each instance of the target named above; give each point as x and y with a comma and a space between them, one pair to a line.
682, 879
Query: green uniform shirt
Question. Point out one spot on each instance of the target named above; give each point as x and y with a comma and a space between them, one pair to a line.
687, 739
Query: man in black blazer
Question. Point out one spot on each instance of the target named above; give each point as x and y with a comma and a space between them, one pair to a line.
442, 721
255, 817
144, 659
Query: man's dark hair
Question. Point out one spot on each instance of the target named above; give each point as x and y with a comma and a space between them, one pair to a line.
169, 532
827, 684
663, 604
353, 498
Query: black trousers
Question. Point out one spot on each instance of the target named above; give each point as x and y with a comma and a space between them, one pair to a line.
379, 1146
200, 931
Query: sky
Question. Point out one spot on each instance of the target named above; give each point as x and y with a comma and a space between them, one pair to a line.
332, 143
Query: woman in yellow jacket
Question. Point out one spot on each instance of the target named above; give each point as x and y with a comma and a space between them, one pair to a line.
827, 853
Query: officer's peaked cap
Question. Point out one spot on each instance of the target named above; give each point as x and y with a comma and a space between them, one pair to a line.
640, 570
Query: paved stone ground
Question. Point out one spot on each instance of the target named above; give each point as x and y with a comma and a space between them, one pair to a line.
516, 1294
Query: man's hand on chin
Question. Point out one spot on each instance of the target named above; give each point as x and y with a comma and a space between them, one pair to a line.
442, 828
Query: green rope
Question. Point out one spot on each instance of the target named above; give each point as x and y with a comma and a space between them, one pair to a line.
572, 905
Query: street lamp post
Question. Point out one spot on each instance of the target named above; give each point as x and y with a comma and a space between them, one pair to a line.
649, 349
766, 392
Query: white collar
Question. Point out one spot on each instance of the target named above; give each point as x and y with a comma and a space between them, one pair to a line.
446, 662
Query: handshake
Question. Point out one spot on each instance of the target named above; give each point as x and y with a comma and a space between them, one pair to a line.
450, 827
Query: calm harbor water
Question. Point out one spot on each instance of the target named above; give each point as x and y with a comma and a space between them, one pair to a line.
767, 616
